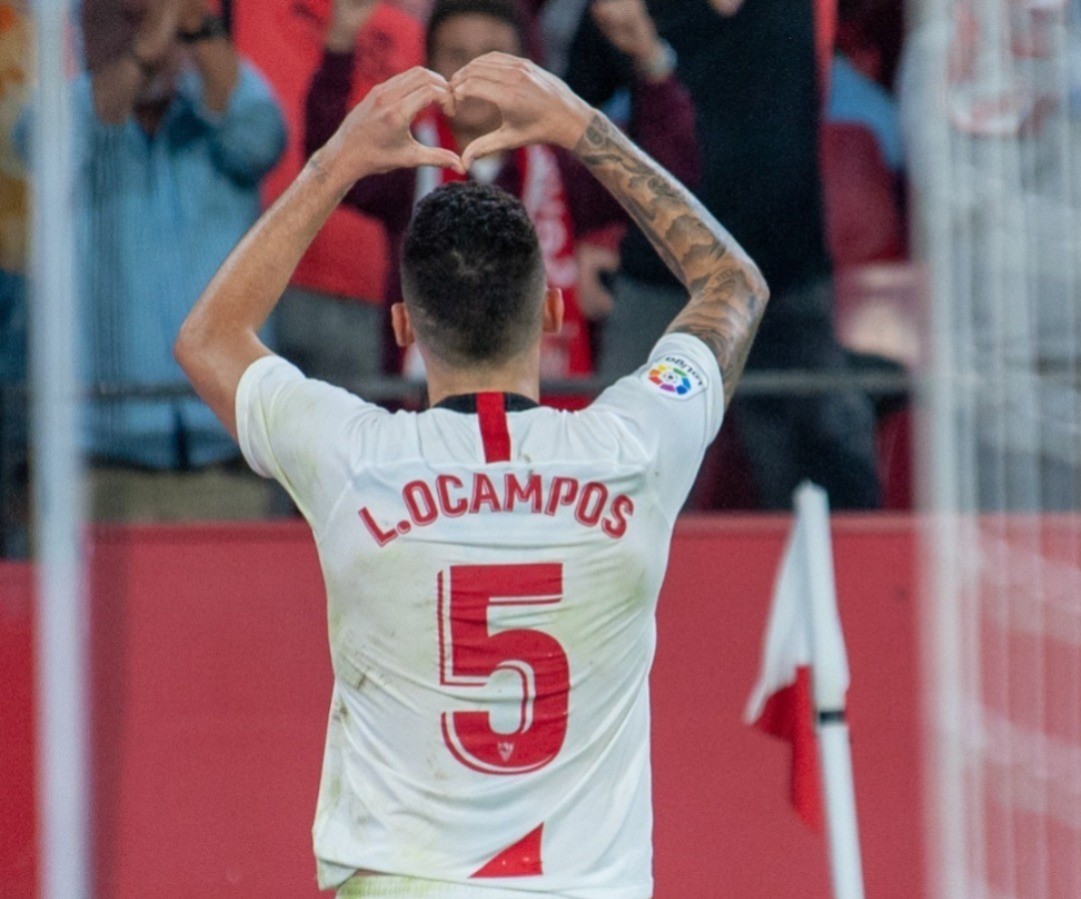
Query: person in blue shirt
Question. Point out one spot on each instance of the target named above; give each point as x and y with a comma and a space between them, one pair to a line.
177, 133
174, 133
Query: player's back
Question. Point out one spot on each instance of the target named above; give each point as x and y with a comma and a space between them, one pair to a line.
492, 569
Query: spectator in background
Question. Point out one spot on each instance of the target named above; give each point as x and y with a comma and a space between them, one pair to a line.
338, 286
859, 91
751, 72
862, 155
175, 133
563, 200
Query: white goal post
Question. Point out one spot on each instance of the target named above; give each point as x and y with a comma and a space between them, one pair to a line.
992, 110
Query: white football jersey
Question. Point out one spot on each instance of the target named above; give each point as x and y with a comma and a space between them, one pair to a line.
492, 570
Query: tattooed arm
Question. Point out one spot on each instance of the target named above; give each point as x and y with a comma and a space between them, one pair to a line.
727, 291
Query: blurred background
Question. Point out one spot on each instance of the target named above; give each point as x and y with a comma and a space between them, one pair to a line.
908, 176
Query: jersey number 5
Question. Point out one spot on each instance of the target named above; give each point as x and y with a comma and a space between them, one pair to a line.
470, 654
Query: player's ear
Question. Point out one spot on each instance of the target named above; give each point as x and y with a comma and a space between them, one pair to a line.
552, 314
403, 327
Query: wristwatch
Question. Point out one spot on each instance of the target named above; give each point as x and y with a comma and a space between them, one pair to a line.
211, 27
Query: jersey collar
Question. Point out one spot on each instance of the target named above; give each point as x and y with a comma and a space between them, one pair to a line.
467, 403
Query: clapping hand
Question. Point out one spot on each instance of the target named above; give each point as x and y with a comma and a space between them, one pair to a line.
192, 13
156, 32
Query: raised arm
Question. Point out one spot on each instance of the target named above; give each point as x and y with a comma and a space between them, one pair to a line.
327, 101
662, 114
384, 197
219, 339
727, 292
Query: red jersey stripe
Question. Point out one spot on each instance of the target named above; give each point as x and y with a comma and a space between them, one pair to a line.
523, 859
492, 416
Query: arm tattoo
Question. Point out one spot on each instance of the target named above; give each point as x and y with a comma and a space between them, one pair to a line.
728, 293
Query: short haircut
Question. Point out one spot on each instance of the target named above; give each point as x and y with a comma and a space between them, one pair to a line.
507, 11
472, 274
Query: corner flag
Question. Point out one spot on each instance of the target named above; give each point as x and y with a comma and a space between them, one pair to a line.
803, 682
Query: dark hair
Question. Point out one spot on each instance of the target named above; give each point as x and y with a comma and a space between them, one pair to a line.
504, 10
472, 274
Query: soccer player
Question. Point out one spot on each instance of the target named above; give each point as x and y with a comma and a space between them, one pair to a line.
492, 567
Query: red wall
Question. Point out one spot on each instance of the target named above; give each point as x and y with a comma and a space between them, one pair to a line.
211, 687
16, 734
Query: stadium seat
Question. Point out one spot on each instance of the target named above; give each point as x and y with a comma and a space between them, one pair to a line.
863, 218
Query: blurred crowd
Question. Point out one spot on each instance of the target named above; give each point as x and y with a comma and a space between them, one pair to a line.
192, 115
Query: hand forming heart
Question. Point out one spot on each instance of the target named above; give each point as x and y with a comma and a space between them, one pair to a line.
535, 107
375, 136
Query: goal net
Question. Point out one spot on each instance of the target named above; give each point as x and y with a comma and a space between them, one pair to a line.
992, 107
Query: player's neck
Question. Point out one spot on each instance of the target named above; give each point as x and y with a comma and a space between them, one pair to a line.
520, 376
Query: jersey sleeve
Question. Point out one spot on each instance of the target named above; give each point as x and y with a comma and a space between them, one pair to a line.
673, 407
299, 432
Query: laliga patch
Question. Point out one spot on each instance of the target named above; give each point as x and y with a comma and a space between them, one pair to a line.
674, 377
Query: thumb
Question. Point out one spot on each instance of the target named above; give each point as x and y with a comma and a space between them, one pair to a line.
487, 144
437, 156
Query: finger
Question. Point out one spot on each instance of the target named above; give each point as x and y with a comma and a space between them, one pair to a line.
482, 86
410, 80
163, 15
448, 103
423, 97
494, 65
437, 156
498, 58
494, 142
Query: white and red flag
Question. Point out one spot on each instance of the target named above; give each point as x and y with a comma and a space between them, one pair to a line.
782, 703
801, 689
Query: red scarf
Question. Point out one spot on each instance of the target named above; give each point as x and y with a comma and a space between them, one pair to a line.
563, 355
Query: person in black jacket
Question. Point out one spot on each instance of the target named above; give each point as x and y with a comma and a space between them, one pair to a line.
751, 72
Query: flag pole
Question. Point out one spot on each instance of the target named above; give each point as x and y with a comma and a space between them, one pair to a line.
829, 675
846, 869
61, 652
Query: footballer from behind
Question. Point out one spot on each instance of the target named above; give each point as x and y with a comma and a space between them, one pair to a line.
492, 566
